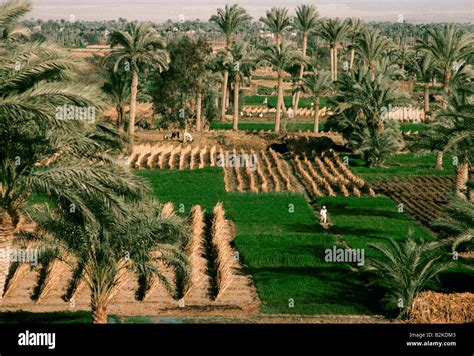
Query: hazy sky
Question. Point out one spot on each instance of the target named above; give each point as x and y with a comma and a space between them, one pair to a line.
161, 10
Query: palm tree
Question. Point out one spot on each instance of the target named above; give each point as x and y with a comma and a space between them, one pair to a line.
281, 57
406, 268
277, 21
108, 250
117, 88
228, 20
455, 124
10, 12
458, 221
317, 85
306, 21
423, 68
364, 97
356, 26
140, 46
46, 151
241, 61
334, 31
448, 46
371, 46
432, 140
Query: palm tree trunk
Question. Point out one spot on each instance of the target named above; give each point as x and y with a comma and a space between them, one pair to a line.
335, 63
279, 102
7, 230
235, 124
277, 39
426, 95
316, 116
120, 120
305, 49
462, 175
99, 310
351, 63
331, 51
198, 111
224, 94
439, 161
133, 107
446, 78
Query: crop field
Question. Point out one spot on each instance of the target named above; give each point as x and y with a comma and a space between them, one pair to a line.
216, 276
423, 197
282, 244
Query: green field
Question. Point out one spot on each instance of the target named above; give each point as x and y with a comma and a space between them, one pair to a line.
283, 245
266, 125
402, 166
291, 126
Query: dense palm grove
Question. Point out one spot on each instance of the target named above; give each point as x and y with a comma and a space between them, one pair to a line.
98, 211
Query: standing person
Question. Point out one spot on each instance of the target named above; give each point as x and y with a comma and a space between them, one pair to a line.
323, 214
188, 137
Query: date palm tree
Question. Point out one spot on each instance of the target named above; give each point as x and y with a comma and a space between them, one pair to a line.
241, 61
228, 21
448, 46
364, 98
107, 251
405, 268
334, 31
10, 12
371, 46
458, 222
424, 70
117, 88
356, 27
281, 57
306, 20
138, 47
277, 21
48, 152
455, 124
318, 84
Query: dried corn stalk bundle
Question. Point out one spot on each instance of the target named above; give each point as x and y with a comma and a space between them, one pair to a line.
167, 210
195, 249
202, 157
261, 175
194, 157
240, 178
274, 177
432, 307
321, 181
221, 237
307, 177
213, 156
280, 169
183, 156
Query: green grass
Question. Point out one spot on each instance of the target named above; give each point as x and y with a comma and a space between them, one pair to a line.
284, 248
187, 188
402, 166
412, 127
78, 317
266, 125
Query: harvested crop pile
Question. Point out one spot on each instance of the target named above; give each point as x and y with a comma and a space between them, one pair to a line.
431, 307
